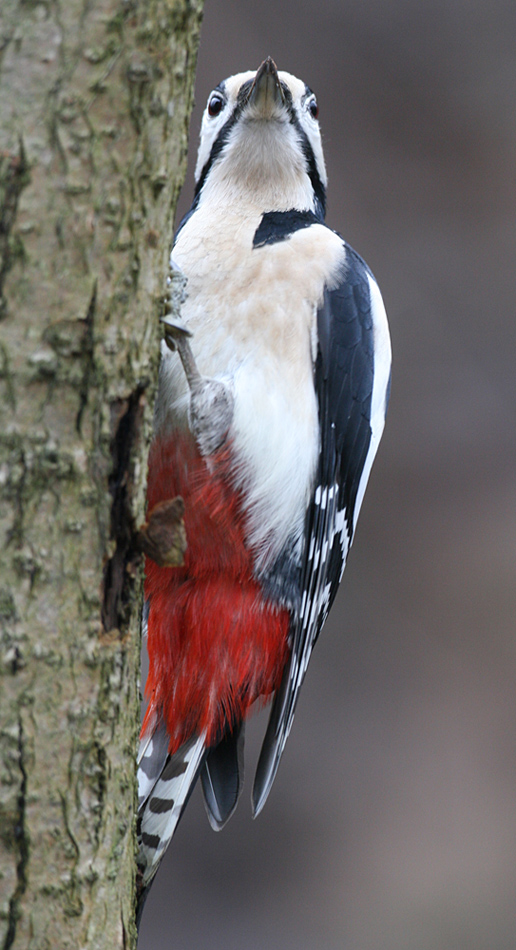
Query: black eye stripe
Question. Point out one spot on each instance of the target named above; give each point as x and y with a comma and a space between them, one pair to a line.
313, 174
216, 149
288, 96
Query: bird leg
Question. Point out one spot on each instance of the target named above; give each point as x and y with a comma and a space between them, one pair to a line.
211, 401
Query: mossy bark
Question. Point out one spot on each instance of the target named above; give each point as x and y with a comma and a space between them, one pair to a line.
94, 104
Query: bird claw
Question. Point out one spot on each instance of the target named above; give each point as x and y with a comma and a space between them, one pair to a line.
175, 332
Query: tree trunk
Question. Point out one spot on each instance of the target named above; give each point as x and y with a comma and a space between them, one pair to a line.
94, 104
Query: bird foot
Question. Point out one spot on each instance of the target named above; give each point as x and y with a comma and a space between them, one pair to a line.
211, 401
163, 536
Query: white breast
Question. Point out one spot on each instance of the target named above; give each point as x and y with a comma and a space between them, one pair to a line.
252, 313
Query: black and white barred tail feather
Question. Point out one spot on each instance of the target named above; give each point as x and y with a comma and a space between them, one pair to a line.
165, 783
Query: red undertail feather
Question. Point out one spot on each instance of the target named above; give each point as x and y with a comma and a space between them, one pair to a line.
215, 645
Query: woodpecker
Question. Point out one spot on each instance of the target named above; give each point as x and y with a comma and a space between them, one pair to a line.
272, 397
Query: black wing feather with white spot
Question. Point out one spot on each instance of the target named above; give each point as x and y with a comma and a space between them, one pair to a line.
344, 374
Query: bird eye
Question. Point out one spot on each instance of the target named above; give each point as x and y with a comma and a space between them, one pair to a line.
314, 108
215, 105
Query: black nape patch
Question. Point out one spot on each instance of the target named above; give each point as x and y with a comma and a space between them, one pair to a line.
277, 226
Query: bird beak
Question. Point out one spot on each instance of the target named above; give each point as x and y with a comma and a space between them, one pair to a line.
266, 91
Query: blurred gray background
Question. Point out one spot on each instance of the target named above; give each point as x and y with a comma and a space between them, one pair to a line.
392, 823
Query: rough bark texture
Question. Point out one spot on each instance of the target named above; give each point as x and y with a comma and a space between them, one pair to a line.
94, 103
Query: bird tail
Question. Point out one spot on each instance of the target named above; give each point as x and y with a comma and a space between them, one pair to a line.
222, 776
165, 783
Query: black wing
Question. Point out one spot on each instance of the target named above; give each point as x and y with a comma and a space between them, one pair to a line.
344, 374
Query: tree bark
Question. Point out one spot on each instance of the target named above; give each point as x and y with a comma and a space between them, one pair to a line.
94, 104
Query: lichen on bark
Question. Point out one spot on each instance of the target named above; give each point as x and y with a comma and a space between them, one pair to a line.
94, 105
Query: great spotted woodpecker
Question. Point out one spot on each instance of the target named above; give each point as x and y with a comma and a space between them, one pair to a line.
268, 419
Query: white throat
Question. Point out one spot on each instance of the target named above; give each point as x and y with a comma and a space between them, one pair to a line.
263, 166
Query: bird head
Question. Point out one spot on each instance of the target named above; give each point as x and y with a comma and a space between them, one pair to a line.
260, 141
